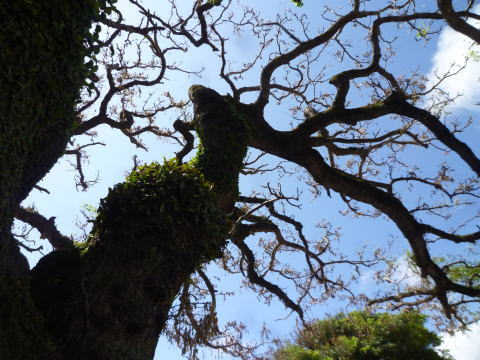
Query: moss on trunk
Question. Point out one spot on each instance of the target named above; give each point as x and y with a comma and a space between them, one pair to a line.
42, 60
151, 233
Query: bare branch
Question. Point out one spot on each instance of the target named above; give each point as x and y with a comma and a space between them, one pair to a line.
46, 227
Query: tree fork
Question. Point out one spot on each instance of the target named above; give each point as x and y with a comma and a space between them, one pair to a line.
110, 298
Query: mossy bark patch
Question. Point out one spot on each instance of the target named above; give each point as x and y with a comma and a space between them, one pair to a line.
43, 50
224, 133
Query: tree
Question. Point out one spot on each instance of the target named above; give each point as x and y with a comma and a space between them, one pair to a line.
139, 272
43, 51
360, 335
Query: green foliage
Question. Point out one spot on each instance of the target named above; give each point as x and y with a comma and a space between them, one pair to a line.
90, 210
462, 272
473, 55
299, 3
44, 46
423, 32
465, 273
171, 201
364, 336
215, 2
82, 247
296, 352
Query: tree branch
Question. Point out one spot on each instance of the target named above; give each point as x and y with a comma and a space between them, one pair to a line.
46, 228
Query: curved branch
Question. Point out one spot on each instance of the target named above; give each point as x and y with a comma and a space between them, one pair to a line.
304, 47
468, 238
281, 144
46, 228
456, 22
241, 232
401, 107
184, 129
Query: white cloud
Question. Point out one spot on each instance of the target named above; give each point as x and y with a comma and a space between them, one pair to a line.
405, 274
401, 273
453, 48
463, 345
367, 279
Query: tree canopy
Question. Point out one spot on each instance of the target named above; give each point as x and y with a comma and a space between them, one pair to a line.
288, 126
360, 335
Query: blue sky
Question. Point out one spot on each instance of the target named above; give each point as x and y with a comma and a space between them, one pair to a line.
113, 162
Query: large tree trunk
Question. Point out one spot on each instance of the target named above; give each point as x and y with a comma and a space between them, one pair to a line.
110, 299
28, 150
42, 56
22, 335
113, 301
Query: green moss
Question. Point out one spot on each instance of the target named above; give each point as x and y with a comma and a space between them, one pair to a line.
171, 200
224, 134
43, 49
44, 46
298, 3
83, 246
377, 104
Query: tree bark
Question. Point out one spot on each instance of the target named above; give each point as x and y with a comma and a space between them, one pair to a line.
112, 299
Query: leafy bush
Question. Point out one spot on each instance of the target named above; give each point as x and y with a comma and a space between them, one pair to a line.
364, 336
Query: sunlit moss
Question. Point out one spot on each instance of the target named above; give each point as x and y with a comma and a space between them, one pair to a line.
164, 199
